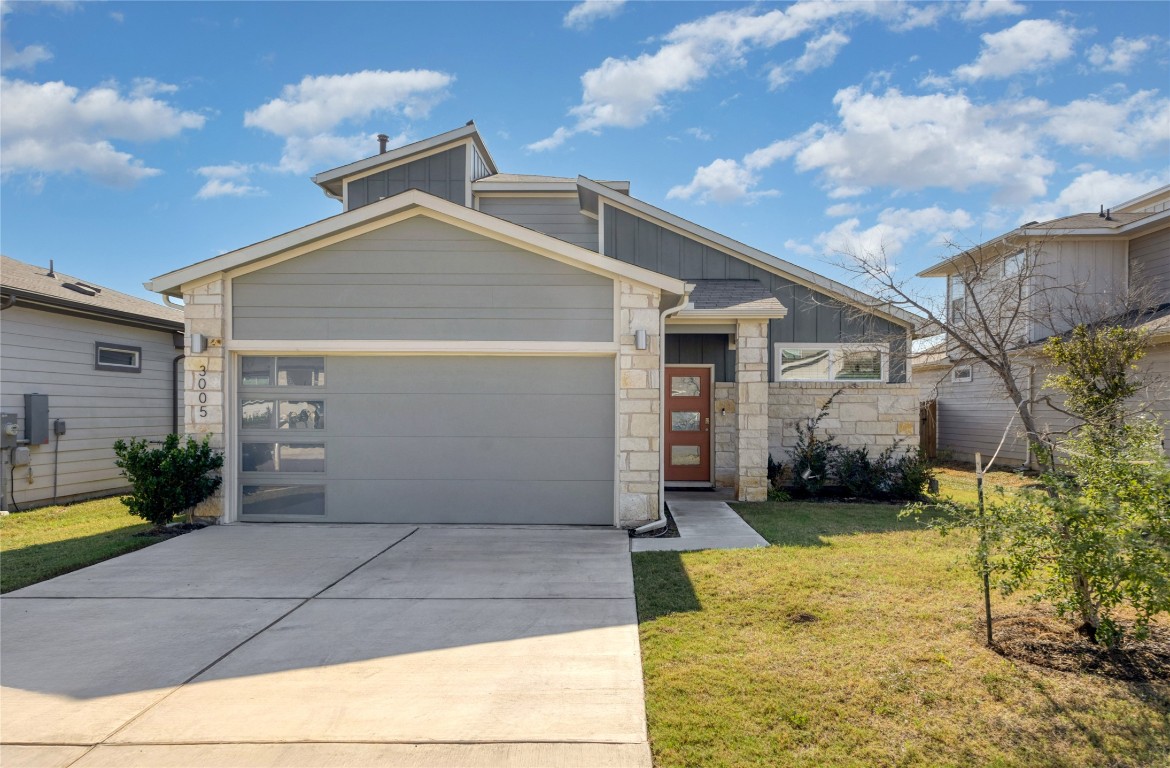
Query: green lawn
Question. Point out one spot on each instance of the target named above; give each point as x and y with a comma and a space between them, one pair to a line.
854, 642
47, 542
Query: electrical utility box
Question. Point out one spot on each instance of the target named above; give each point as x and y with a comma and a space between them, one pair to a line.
36, 419
8, 430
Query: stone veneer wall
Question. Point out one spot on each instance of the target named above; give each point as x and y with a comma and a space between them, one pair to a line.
639, 406
203, 378
865, 414
751, 381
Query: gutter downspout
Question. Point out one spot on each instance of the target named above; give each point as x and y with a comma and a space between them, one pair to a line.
175, 394
683, 303
170, 303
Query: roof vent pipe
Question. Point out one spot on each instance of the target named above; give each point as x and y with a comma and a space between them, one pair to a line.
51, 272
382, 139
1101, 215
1109, 215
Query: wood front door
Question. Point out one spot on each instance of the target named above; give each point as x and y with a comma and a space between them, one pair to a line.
688, 424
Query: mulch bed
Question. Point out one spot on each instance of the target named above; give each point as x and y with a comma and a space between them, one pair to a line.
1047, 641
669, 532
172, 530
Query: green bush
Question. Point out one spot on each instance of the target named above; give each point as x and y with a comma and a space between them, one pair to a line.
168, 479
887, 476
812, 454
858, 474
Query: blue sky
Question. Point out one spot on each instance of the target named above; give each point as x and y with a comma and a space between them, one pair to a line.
141, 137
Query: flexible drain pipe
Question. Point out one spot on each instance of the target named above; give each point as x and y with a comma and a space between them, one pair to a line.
683, 303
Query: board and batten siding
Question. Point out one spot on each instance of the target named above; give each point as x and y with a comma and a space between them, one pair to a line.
479, 166
422, 279
812, 315
1085, 275
560, 217
1149, 263
53, 354
443, 175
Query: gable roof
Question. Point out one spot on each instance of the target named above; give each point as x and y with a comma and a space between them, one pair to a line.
33, 284
331, 180
591, 191
732, 299
382, 213
1080, 225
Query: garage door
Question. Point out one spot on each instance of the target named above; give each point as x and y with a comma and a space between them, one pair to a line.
524, 440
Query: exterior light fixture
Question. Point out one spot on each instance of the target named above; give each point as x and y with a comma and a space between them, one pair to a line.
198, 343
640, 339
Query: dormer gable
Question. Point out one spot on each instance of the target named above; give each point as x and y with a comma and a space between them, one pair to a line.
444, 166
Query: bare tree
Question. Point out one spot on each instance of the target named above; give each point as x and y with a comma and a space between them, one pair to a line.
1002, 298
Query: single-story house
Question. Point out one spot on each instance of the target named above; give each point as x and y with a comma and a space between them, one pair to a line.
462, 345
1117, 254
81, 366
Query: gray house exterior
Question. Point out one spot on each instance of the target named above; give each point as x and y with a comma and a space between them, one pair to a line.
464, 345
104, 360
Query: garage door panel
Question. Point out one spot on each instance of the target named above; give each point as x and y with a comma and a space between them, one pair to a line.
502, 415
472, 459
461, 502
431, 439
471, 375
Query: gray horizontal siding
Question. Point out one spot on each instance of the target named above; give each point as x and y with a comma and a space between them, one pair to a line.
53, 354
1149, 262
426, 280
467, 440
443, 175
972, 416
812, 316
560, 217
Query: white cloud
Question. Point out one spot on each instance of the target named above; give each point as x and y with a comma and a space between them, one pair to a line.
1028, 46
25, 58
1121, 55
818, 53
583, 15
728, 181
628, 92
306, 113
226, 188
798, 247
842, 209
118, 16
142, 87
893, 230
1089, 191
1128, 128
699, 134
52, 127
936, 140
980, 10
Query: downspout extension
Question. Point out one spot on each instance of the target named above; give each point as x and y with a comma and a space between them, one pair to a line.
683, 303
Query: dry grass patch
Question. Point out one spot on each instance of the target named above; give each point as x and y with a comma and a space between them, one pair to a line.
855, 642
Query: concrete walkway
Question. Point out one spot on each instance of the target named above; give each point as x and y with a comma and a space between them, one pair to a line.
297, 645
704, 522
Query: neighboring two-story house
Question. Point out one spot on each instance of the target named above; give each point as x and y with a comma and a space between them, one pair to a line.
463, 345
1112, 265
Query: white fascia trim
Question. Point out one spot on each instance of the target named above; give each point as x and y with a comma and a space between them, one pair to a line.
417, 202
738, 250
1140, 199
427, 347
702, 315
409, 150
486, 187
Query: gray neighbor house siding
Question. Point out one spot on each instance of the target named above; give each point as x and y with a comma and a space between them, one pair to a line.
422, 279
443, 175
1149, 261
812, 316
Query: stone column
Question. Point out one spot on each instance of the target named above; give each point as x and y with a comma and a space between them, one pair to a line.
203, 384
751, 384
639, 409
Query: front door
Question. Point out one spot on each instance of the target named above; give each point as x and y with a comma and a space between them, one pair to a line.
688, 424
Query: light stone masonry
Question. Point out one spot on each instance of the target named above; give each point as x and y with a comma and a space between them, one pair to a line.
751, 378
203, 378
639, 406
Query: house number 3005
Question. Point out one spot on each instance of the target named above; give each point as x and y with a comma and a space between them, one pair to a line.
201, 383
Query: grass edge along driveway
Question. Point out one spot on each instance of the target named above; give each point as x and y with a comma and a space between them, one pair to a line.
48, 541
853, 642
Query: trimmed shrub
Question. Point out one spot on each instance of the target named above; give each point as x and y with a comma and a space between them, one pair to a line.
168, 479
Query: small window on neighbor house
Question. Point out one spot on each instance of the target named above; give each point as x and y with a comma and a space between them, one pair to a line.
116, 357
1013, 265
962, 374
958, 304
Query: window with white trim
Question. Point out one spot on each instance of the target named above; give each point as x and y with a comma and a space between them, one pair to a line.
117, 357
962, 374
831, 362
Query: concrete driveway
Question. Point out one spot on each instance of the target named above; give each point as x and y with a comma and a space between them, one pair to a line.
310, 645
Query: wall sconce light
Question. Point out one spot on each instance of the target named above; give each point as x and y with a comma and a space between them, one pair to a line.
198, 343
640, 339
